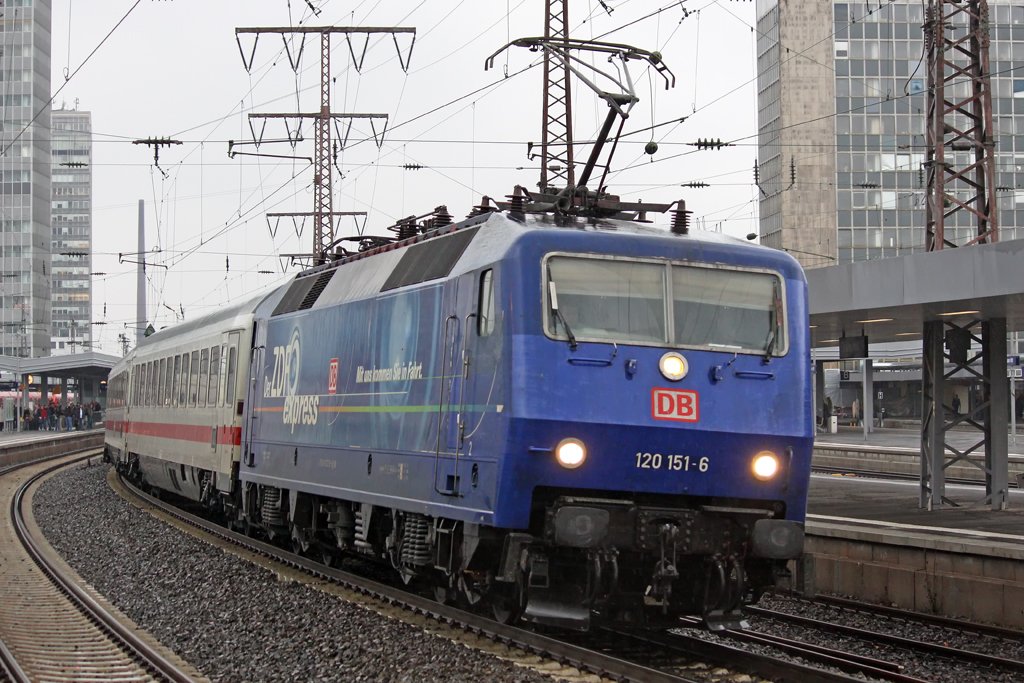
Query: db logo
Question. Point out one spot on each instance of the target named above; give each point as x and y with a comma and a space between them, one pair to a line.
675, 404
332, 376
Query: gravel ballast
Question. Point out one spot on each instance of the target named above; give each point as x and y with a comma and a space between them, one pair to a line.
232, 620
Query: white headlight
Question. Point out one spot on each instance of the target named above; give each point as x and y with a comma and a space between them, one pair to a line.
673, 366
765, 465
570, 453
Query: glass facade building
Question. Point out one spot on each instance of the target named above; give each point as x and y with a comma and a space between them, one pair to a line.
70, 281
875, 132
25, 178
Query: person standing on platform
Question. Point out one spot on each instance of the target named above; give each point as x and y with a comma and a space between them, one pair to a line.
855, 412
956, 404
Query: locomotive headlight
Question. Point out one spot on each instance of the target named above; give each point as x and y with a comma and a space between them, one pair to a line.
765, 465
673, 366
570, 453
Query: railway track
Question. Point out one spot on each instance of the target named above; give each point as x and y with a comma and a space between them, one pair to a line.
610, 654
984, 646
686, 654
52, 628
902, 476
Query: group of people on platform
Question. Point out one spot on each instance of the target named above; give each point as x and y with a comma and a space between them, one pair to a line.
54, 416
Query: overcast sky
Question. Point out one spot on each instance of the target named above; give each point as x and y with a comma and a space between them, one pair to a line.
173, 69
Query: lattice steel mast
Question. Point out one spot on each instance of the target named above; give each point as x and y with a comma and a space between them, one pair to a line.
961, 182
960, 145
323, 215
556, 168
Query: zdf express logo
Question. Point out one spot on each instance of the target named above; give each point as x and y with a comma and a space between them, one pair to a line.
284, 383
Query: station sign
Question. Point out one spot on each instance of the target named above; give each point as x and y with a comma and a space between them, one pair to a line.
1013, 360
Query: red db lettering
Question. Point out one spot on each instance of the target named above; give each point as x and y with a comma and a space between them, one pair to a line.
678, 405
332, 376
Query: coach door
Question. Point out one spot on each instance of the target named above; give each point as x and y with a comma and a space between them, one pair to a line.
248, 394
455, 366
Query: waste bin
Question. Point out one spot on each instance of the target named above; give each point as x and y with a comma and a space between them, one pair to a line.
833, 424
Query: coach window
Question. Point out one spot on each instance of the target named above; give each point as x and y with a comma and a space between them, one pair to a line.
183, 383
193, 382
138, 383
214, 393
147, 375
151, 390
161, 376
229, 383
204, 376
485, 304
168, 375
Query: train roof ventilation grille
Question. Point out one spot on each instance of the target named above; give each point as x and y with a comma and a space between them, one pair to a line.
317, 289
303, 292
429, 260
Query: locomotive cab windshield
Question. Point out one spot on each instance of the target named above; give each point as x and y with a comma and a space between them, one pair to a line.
659, 303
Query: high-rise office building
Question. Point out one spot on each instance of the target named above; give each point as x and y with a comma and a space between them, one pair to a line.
25, 178
842, 95
70, 282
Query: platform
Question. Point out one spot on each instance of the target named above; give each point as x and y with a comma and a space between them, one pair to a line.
867, 537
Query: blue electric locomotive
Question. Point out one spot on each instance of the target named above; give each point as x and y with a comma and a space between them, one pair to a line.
551, 409
592, 418
564, 418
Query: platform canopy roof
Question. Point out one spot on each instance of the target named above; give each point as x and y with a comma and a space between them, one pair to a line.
890, 299
80, 365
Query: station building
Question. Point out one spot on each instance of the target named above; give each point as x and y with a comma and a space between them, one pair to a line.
842, 149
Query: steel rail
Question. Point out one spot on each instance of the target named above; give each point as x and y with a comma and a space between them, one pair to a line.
10, 668
909, 615
890, 639
901, 476
755, 663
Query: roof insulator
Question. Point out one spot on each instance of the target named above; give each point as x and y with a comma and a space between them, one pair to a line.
681, 219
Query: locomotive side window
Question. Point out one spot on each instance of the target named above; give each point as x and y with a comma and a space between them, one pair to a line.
214, 393
731, 309
193, 381
485, 304
606, 300
204, 376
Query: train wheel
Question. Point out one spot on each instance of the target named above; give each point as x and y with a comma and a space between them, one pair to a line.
507, 603
329, 558
444, 589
